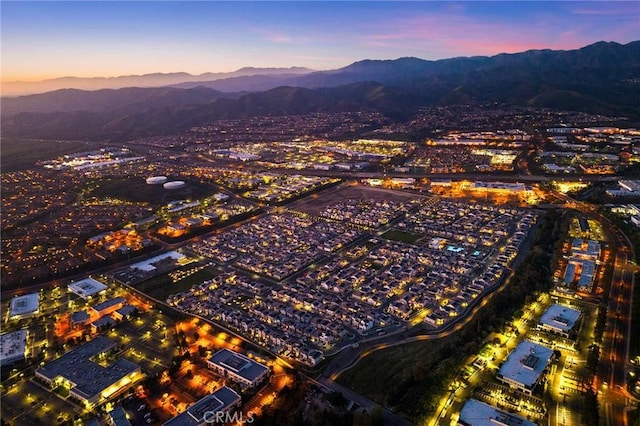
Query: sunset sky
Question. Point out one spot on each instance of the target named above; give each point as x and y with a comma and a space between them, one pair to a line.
53, 39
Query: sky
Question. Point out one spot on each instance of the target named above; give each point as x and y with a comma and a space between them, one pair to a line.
41, 40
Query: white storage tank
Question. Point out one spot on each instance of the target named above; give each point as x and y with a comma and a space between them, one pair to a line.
156, 180
176, 184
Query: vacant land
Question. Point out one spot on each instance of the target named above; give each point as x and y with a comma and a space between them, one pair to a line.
20, 154
315, 203
410, 378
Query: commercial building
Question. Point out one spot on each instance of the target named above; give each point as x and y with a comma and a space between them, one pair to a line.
108, 306
87, 288
149, 264
80, 318
498, 186
118, 417
123, 312
523, 368
560, 319
24, 306
13, 347
90, 382
627, 188
103, 323
582, 264
237, 367
630, 185
477, 413
209, 409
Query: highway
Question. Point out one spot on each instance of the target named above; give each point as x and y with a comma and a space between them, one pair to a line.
614, 356
614, 350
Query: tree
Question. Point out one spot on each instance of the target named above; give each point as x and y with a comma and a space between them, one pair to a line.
202, 351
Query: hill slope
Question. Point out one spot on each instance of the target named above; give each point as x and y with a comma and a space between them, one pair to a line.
600, 78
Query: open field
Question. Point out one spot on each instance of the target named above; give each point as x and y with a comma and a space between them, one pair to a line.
22, 154
404, 237
315, 203
409, 378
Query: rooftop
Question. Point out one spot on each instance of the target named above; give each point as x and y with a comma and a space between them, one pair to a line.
108, 303
239, 364
561, 317
213, 403
24, 305
119, 417
87, 287
476, 413
148, 266
13, 344
79, 316
526, 363
90, 378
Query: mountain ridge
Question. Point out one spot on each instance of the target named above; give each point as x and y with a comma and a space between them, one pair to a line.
600, 78
158, 79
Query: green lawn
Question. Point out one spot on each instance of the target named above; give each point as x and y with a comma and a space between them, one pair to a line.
403, 237
161, 287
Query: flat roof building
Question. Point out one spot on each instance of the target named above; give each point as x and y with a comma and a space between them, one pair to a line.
560, 319
148, 265
498, 186
102, 323
88, 381
630, 185
13, 347
237, 367
80, 317
477, 413
87, 287
524, 366
124, 312
118, 417
208, 410
24, 306
109, 306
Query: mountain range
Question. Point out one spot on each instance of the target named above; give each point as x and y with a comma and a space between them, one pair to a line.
601, 78
19, 88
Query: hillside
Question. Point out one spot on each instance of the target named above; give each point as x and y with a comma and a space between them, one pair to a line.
600, 78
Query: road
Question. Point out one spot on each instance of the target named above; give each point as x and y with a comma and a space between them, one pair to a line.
614, 350
388, 418
614, 355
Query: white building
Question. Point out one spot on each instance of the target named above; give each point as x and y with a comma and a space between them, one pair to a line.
13, 347
238, 367
24, 306
560, 319
87, 288
476, 413
523, 368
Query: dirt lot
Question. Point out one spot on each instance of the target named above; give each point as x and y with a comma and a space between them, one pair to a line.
315, 203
